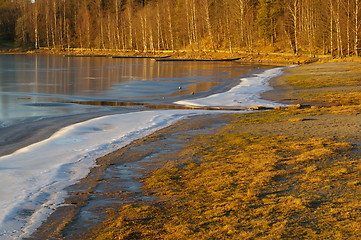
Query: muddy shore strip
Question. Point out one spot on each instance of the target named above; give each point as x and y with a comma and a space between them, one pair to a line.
118, 178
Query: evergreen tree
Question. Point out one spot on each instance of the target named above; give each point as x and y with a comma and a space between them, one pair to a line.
9, 13
268, 12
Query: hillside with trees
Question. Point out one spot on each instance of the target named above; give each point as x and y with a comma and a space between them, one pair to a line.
294, 26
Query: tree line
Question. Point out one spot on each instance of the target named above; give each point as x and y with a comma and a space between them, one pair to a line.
298, 26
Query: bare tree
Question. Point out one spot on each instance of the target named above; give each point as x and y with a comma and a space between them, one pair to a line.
206, 5
129, 10
293, 6
357, 26
170, 26
36, 27
338, 28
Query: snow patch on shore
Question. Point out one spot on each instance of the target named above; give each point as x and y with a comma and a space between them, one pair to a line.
246, 94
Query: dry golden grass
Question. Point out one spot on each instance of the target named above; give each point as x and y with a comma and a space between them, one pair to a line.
330, 83
351, 97
236, 185
233, 185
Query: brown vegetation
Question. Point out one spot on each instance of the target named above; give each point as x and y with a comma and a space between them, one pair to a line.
250, 180
234, 185
327, 84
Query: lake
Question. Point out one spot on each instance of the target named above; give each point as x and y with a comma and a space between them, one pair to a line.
49, 85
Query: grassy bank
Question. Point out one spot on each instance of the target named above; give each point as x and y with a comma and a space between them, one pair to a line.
245, 56
288, 173
256, 56
328, 84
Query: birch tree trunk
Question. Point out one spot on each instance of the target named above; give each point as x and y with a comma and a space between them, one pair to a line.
228, 27
170, 26
144, 33
331, 27
357, 27
36, 35
47, 23
242, 7
110, 32
194, 22
101, 30
55, 23
65, 27
208, 21
117, 27
348, 12
338, 30
294, 10
189, 22
310, 22
130, 23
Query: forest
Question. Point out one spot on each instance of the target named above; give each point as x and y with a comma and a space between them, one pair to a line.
294, 26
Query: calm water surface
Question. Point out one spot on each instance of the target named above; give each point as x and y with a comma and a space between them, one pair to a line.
49, 85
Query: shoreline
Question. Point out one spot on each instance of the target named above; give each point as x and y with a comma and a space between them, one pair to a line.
21, 135
101, 193
106, 186
41, 129
304, 193
243, 57
105, 189
26, 132
88, 187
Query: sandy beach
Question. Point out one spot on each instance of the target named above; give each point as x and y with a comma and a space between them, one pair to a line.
98, 201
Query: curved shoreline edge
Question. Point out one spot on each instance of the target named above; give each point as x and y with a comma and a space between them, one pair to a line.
73, 150
246, 94
53, 203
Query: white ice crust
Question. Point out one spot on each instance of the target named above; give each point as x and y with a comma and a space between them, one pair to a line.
246, 94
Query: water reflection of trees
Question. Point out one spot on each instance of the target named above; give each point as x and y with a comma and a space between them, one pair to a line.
98, 76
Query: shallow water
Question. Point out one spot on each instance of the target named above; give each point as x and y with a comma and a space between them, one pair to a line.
51, 85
